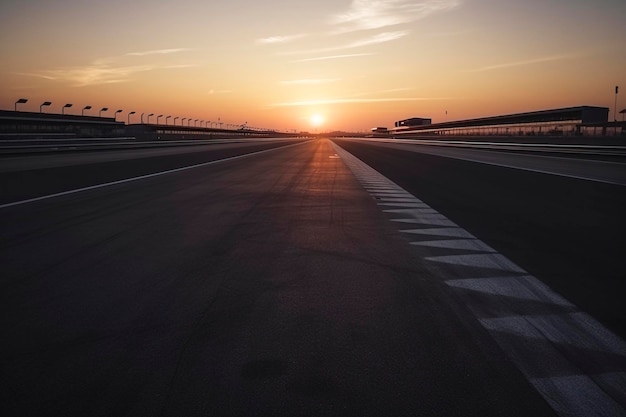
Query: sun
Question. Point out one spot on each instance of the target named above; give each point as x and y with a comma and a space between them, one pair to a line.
317, 120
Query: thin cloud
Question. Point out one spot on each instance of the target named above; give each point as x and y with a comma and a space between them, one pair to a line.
324, 58
371, 40
97, 74
311, 81
279, 39
212, 92
178, 66
33, 74
378, 38
358, 100
376, 14
522, 63
94, 75
158, 52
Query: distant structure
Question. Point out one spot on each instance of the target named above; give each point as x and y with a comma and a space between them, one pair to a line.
414, 121
570, 121
18, 124
30, 125
379, 132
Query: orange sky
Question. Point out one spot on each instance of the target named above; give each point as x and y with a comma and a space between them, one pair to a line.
276, 64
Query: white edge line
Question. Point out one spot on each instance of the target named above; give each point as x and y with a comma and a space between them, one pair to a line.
525, 169
155, 174
540, 171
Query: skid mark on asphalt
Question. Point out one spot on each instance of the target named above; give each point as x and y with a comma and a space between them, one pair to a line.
575, 363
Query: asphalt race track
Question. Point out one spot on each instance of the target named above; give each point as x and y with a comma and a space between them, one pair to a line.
291, 278
569, 232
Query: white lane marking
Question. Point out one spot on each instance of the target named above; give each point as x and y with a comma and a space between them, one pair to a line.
491, 261
442, 231
399, 200
439, 221
522, 287
387, 190
464, 244
391, 195
581, 395
517, 166
573, 329
540, 346
413, 211
405, 205
141, 177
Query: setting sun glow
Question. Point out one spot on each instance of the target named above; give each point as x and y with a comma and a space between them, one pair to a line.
317, 120
367, 62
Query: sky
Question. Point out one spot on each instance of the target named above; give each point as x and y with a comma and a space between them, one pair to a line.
317, 65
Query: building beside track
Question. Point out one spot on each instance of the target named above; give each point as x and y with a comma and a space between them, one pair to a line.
414, 121
18, 124
570, 121
29, 125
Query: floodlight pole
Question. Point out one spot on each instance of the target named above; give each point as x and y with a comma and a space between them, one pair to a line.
45, 103
615, 105
20, 101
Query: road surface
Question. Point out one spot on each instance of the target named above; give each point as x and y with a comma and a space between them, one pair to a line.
294, 280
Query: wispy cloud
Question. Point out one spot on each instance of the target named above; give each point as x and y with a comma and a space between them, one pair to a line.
323, 58
159, 52
107, 70
50, 77
378, 38
357, 100
368, 15
522, 63
280, 39
212, 92
311, 81
178, 66
376, 14
92, 75
368, 41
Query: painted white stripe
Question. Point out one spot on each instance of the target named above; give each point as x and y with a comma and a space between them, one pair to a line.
465, 244
491, 261
141, 177
392, 195
416, 212
405, 205
578, 396
439, 221
522, 287
541, 346
575, 329
443, 231
617, 181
